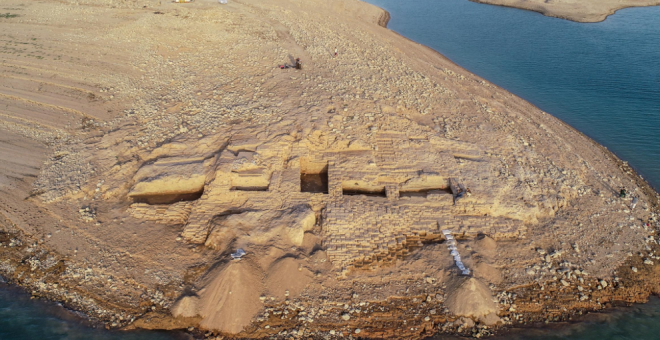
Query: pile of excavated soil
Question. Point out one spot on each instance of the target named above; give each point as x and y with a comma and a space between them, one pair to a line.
230, 299
472, 298
287, 278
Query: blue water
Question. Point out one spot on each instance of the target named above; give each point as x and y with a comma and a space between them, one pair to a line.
22, 318
636, 323
601, 78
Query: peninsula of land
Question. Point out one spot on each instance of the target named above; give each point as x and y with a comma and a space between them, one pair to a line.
294, 169
574, 10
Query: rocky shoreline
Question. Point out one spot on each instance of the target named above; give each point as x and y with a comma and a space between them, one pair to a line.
570, 296
543, 229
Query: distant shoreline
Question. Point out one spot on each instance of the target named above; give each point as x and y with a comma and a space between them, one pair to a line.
584, 12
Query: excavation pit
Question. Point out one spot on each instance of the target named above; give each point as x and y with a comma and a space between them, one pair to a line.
313, 177
425, 192
250, 188
365, 188
314, 182
168, 198
358, 192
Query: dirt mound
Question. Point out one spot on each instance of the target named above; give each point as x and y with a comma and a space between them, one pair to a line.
231, 298
186, 307
486, 246
287, 275
471, 298
487, 272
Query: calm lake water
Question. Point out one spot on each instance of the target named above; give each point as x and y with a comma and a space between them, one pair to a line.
22, 318
603, 79
635, 323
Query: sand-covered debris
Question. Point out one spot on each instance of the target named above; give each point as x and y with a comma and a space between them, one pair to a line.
486, 246
287, 278
471, 297
187, 306
230, 298
262, 227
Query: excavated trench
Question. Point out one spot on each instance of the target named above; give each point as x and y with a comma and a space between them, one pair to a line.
424, 192
168, 198
313, 177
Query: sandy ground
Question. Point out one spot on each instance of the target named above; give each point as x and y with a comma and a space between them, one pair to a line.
94, 94
575, 10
